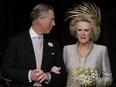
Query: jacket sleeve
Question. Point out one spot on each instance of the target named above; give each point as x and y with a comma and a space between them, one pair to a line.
106, 78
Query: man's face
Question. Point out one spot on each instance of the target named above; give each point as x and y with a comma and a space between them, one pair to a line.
48, 22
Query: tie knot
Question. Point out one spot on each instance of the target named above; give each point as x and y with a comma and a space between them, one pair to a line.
40, 37
39, 41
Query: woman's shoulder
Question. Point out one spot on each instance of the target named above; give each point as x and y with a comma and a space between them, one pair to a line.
69, 46
99, 46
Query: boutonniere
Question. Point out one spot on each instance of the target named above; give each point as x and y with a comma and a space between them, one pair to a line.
50, 44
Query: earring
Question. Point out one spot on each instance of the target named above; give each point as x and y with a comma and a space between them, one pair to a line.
92, 37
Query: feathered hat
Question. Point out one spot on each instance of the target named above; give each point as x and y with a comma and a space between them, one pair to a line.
87, 11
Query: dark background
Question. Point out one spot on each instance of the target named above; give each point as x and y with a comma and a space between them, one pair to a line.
15, 18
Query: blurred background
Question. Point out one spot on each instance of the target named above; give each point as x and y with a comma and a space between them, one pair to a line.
15, 19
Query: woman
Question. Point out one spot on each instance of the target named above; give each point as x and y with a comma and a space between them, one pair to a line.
87, 63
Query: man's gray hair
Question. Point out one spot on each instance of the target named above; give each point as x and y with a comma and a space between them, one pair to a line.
40, 10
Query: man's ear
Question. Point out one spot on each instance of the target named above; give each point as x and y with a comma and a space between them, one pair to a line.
40, 20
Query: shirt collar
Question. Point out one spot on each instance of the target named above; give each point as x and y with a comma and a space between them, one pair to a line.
33, 33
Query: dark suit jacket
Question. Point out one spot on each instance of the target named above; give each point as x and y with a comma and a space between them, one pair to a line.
19, 58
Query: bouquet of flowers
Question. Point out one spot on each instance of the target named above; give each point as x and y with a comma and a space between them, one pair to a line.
85, 77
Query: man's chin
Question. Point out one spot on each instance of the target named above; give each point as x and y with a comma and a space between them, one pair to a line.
47, 32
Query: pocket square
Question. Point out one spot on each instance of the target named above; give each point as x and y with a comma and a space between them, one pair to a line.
52, 53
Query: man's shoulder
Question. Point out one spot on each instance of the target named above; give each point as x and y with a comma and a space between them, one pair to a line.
20, 35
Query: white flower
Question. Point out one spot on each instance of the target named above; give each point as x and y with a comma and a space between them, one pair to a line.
50, 44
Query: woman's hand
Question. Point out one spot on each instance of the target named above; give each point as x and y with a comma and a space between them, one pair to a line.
56, 69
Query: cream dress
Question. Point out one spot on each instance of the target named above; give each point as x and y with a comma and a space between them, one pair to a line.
97, 58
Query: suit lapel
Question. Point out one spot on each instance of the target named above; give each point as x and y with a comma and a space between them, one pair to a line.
46, 54
27, 47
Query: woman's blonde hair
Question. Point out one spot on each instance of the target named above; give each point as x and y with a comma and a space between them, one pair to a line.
87, 12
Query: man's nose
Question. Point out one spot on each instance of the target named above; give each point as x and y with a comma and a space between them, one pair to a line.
54, 23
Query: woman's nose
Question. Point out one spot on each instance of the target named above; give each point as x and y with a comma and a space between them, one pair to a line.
82, 33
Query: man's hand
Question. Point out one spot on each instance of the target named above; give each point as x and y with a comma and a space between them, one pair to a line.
39, 76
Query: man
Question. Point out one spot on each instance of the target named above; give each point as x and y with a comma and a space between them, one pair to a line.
29, 64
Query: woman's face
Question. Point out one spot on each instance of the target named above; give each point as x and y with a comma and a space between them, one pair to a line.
84, 31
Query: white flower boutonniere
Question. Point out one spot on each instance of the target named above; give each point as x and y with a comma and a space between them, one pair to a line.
50, 44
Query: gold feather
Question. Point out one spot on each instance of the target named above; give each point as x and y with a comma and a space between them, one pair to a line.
87, 9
